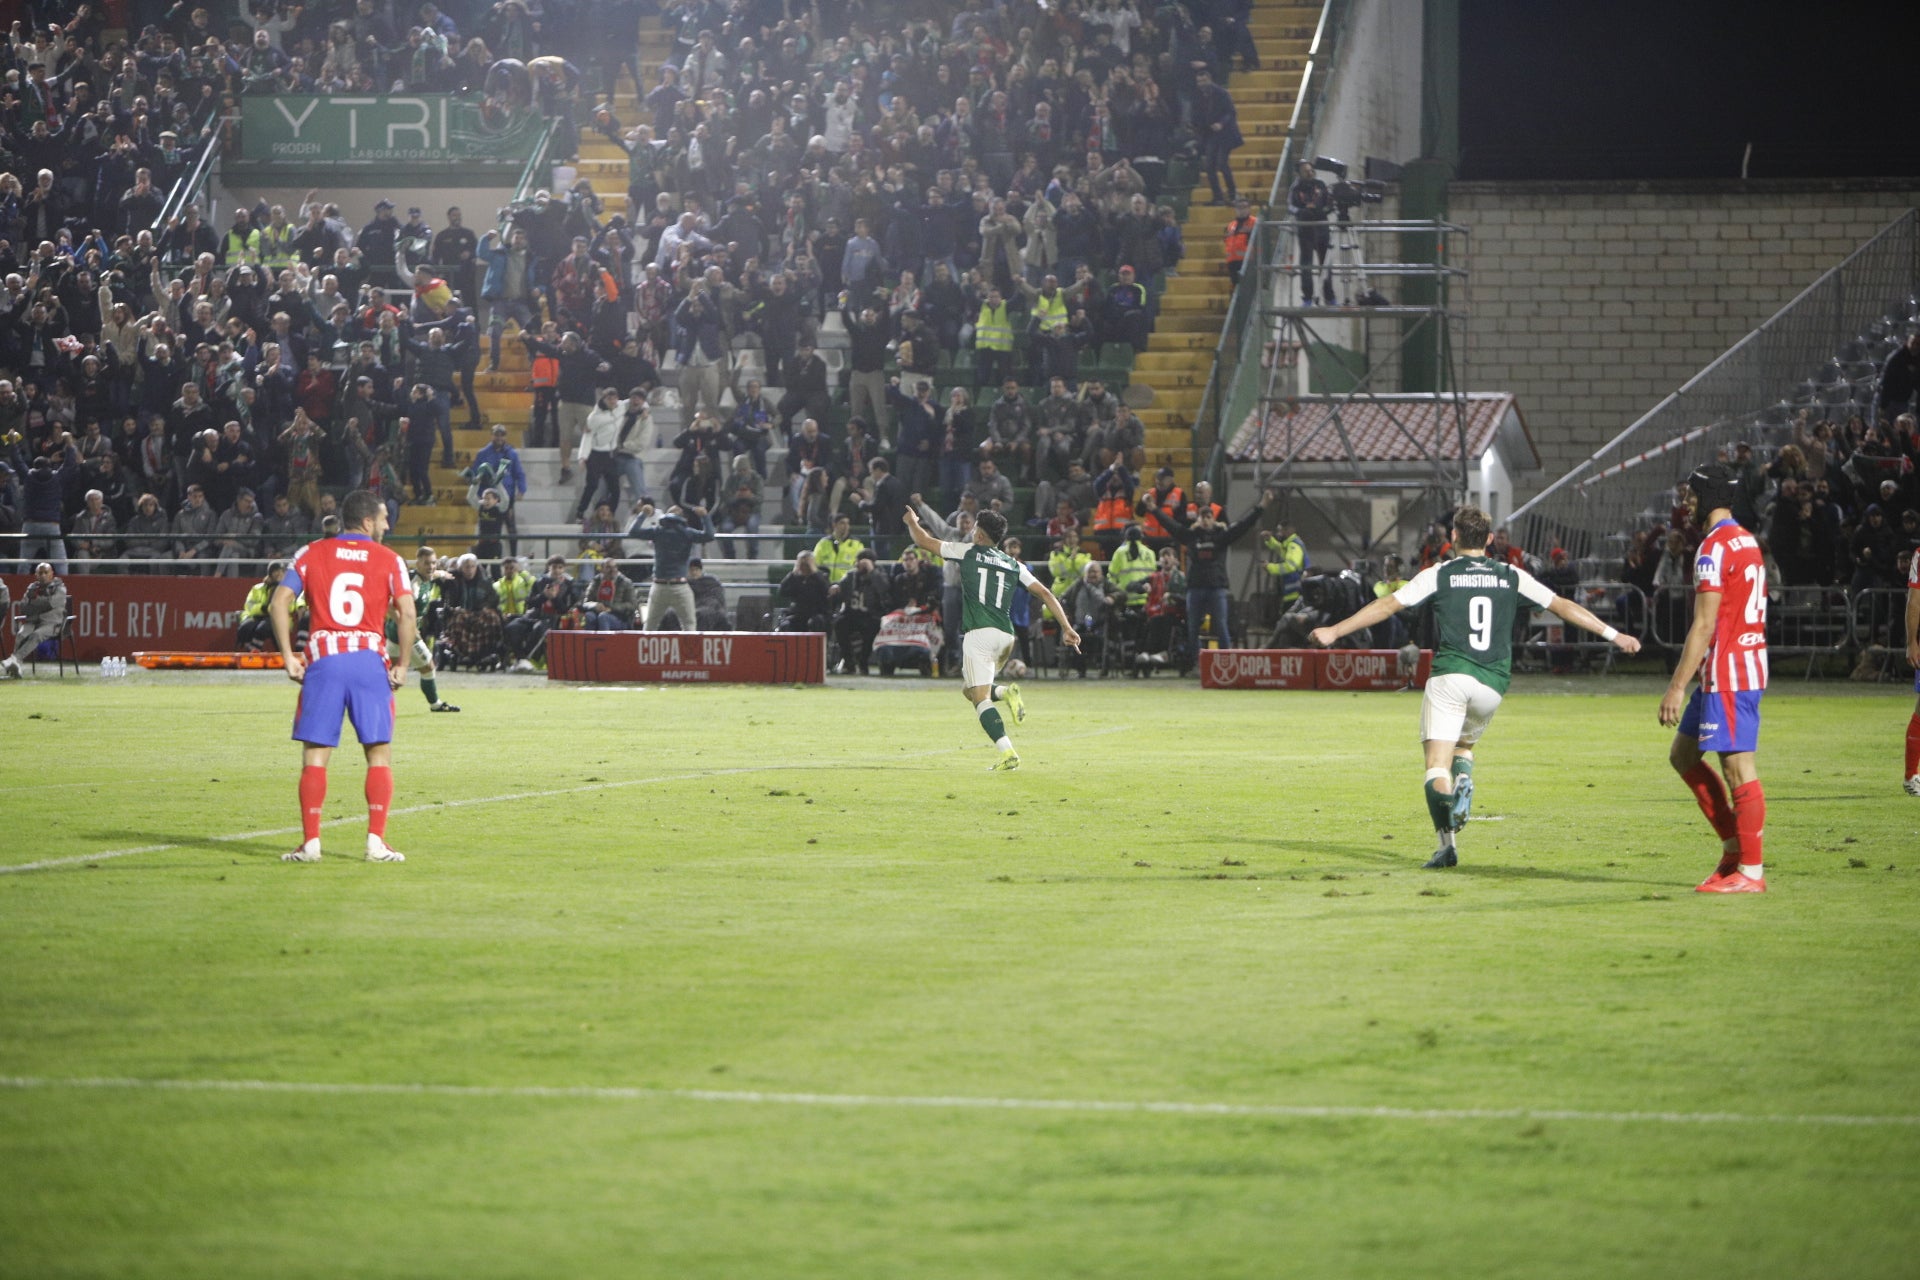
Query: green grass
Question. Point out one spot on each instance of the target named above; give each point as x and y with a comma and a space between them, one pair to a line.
1181, 896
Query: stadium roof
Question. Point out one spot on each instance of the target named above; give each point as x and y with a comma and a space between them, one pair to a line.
1405, 428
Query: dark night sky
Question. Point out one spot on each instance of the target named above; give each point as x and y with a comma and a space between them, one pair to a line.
1676, 89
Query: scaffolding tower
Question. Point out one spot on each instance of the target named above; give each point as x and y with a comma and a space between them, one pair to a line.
1397, 326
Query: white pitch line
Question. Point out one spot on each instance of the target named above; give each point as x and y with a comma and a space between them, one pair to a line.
1271, 1111
105, 855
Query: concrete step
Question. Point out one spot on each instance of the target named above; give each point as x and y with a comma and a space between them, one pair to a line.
1213, 302
1162, 380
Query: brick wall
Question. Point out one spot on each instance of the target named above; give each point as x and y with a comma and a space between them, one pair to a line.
1593, 301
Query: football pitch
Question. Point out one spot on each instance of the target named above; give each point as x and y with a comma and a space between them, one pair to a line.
782, 982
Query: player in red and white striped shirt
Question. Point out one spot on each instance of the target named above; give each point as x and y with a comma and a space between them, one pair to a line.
1727, 648
350, 583
1913, 656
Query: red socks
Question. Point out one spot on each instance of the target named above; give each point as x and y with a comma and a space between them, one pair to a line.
313, 796
1750, 815
1913, 746
379, 797
1704, 781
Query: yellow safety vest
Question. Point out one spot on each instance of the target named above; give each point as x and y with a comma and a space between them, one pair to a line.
1050, 315
993, 331
1130, 571
243, 248
276, 250
837, 558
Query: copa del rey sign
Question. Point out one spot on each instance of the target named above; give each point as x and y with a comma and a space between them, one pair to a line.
687, 657
1335, 669
114, 615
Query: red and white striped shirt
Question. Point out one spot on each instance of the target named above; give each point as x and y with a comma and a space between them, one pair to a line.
350, 583
1913, 573
1730, 563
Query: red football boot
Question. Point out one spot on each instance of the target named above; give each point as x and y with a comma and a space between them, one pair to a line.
1732, 882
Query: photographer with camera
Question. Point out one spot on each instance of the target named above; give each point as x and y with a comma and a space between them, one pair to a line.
1310, 203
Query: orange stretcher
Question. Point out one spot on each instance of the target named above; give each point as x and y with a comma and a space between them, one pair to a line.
179, 661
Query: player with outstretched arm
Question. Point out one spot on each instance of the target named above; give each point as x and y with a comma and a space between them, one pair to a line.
988, 577
1727, 648
350, 582
1475, 599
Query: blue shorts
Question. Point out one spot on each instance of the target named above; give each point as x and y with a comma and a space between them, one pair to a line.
345, 684
1724, 722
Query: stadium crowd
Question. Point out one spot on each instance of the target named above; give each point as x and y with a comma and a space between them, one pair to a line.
974, 192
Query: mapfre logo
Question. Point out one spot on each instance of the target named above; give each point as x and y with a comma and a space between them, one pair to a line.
1345, 667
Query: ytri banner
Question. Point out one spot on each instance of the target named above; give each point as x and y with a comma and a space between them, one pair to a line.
419, 129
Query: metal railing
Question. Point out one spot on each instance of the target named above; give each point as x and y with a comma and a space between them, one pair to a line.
1236, 335
1818, 352
531, 176
189, 185
1560, 647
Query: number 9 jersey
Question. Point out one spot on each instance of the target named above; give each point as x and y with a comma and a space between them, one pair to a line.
350, 582
1730, 562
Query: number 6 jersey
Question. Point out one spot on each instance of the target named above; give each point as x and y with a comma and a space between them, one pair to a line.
1730, 563
350, 583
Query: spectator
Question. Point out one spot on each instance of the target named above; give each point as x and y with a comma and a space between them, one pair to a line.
885, 501
835, 554
597, 445
740, 510
513, 588
256, 628
237, 534
497, 467
149, 535
806, 592
1206, 541
193, 531
920, 434
611, 598
43, 496
860, 597
42, 617
709, 598
673, 540
958, 434
471, 629
554, 597
1091, 602
93, 532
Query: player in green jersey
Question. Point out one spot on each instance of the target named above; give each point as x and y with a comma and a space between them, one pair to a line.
988, 579
1475, 599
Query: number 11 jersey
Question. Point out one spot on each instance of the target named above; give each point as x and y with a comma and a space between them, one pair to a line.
988, 579
1730, 562
350, 583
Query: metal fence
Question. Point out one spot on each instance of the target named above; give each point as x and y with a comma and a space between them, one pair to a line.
1820, 352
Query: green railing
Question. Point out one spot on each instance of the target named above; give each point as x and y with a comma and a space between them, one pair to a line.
1239, 342
536, 173
188, 186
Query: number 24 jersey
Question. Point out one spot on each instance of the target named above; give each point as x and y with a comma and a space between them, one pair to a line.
350, 583
1730, 562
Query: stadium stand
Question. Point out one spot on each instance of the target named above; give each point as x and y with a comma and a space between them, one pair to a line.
743, 183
